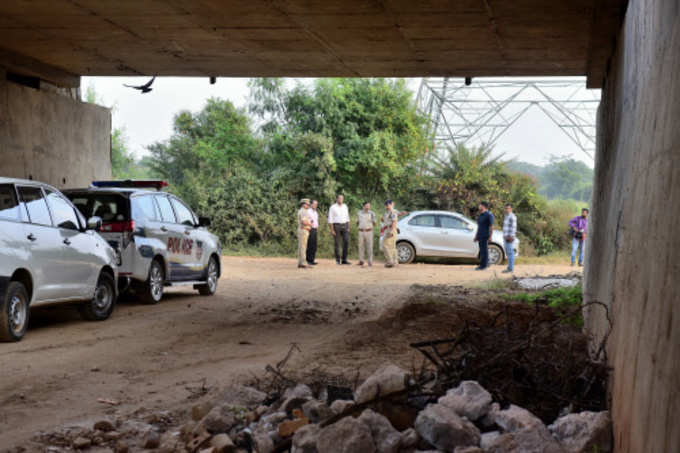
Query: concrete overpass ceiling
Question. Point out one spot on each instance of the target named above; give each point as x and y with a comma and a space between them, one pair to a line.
306, 37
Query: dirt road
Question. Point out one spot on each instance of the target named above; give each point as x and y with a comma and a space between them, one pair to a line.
150, 355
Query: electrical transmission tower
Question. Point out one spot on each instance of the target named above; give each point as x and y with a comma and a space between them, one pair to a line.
479, 113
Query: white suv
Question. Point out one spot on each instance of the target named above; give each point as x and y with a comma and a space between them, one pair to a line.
49, 254
160, 240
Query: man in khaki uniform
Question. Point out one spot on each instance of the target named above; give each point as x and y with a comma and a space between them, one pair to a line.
304, 225
389, 229
366, 221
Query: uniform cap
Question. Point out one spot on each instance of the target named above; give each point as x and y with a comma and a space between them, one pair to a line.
305, 200
388, 202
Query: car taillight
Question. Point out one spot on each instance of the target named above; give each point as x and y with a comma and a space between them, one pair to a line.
118, 227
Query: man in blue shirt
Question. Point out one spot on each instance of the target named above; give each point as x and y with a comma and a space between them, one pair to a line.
484, 231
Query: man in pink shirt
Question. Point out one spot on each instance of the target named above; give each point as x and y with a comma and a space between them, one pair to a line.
311, 243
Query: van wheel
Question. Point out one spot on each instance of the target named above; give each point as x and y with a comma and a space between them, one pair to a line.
101, 305
152, 293
406, 253
212, 276
14, 313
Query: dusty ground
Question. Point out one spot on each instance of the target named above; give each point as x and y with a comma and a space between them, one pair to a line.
153, 356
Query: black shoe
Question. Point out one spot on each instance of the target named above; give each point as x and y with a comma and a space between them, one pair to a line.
337, 261
480, 268
313, 263
346, 262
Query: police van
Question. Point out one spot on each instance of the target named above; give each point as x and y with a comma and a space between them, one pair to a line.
160, 240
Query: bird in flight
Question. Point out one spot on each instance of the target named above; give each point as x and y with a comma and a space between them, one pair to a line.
143, 88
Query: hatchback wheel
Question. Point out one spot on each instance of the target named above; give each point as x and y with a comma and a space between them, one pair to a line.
212, 276
153, 289
14, 313
495, 254
405, 252
101, 305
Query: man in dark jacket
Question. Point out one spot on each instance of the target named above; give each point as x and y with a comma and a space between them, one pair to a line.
484, 231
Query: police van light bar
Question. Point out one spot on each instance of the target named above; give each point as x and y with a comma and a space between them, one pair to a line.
154, 183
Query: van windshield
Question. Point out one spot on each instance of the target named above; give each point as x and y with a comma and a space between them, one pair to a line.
110, 207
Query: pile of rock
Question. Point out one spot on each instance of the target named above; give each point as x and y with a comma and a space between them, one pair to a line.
464, 420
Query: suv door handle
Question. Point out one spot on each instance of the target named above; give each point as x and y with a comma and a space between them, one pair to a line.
31, 237
164, 229
67, 242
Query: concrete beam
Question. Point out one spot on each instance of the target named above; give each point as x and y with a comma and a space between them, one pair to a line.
606, 22
24, 65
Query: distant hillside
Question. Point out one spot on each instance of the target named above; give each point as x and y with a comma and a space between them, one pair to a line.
561, 178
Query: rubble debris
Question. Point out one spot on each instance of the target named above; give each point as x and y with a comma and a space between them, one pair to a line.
348, 435
443, 428
388, 379
468, 400
584, 432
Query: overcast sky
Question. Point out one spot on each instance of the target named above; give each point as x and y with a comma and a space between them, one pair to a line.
147, 118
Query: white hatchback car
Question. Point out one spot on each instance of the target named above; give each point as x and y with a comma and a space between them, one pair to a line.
49, 254
444, 234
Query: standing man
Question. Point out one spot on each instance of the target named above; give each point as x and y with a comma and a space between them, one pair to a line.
509, 234
311, 243
338, 220
366, 222
577, 228
484, 231
389, 227
304, 225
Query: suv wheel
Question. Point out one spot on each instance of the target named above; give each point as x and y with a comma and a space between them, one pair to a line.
101, 305
153, 289
212, 276
14, 312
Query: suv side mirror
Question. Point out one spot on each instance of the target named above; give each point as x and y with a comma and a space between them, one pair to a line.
94, 223
204, 221
470, 226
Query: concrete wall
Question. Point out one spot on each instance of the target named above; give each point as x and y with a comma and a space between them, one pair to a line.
633, 258
52, 138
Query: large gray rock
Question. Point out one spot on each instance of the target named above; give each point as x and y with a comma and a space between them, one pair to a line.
299, 391
339, 406
388, 379
487, 439
348, 435
584, 432
528, 440
241, 395
316, 411
469, 400
385, 437
305, 438
443, 428
409, 438
220, 419
515, 418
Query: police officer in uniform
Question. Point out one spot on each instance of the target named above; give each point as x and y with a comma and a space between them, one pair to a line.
366, 221
389, 229
304, 225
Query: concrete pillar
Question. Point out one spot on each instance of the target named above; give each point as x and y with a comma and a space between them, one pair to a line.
53, 138
633, 257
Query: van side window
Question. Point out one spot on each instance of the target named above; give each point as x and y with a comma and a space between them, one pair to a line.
144, 208
32, 198
184, 214
63, 214
166, 210
9, 206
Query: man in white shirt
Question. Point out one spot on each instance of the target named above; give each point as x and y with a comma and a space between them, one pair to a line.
338, 221
311, 242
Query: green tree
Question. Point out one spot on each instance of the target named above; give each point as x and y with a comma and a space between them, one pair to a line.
375, 131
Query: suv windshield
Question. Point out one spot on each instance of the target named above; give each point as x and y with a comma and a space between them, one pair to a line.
110, 207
